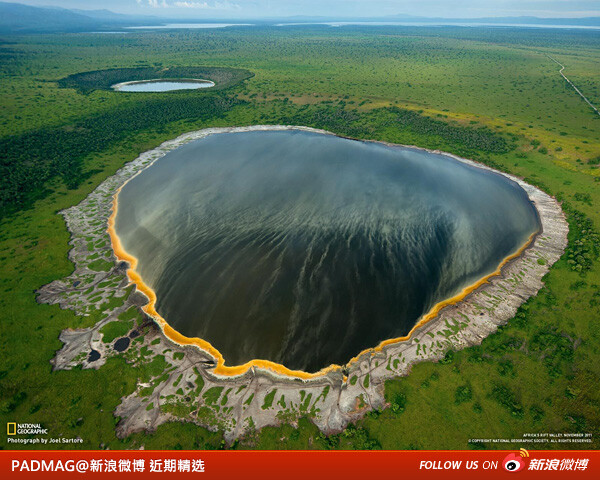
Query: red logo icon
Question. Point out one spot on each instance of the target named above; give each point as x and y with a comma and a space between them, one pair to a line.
514, 462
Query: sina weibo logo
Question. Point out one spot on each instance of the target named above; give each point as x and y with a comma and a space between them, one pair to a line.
515, 462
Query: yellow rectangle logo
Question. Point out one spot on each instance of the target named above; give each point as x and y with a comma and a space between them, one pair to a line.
11, 428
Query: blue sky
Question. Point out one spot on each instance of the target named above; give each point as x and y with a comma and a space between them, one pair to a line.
336, 8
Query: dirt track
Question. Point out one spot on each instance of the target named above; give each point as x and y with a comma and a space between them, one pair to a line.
562, 67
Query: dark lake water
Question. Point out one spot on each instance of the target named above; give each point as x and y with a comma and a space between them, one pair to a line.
305, 249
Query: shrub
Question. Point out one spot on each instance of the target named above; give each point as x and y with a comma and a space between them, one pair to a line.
463, 394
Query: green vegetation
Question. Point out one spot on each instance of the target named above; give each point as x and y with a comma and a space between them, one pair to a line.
32, 159
268, 402
115, 329
398, 403
491, 95
212, 395
100, 265
463, 394
130, 314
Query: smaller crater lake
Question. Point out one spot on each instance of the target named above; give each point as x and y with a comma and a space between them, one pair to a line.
304, 249
162, 85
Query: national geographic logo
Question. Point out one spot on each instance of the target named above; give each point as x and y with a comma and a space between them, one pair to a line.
13, 428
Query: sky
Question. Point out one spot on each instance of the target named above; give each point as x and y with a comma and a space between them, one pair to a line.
196, 9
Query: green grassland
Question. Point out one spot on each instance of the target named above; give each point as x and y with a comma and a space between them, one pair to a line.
492, 95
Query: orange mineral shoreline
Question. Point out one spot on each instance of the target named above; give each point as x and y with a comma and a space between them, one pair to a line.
450, 301
174, 335
221, 368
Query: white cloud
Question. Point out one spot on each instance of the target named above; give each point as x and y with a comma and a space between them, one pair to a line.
192, 4
156, 3
207, 6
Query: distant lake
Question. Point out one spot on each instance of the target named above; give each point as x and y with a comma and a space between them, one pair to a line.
304, 248
434, 24
162, 85
359, 23
190, 25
